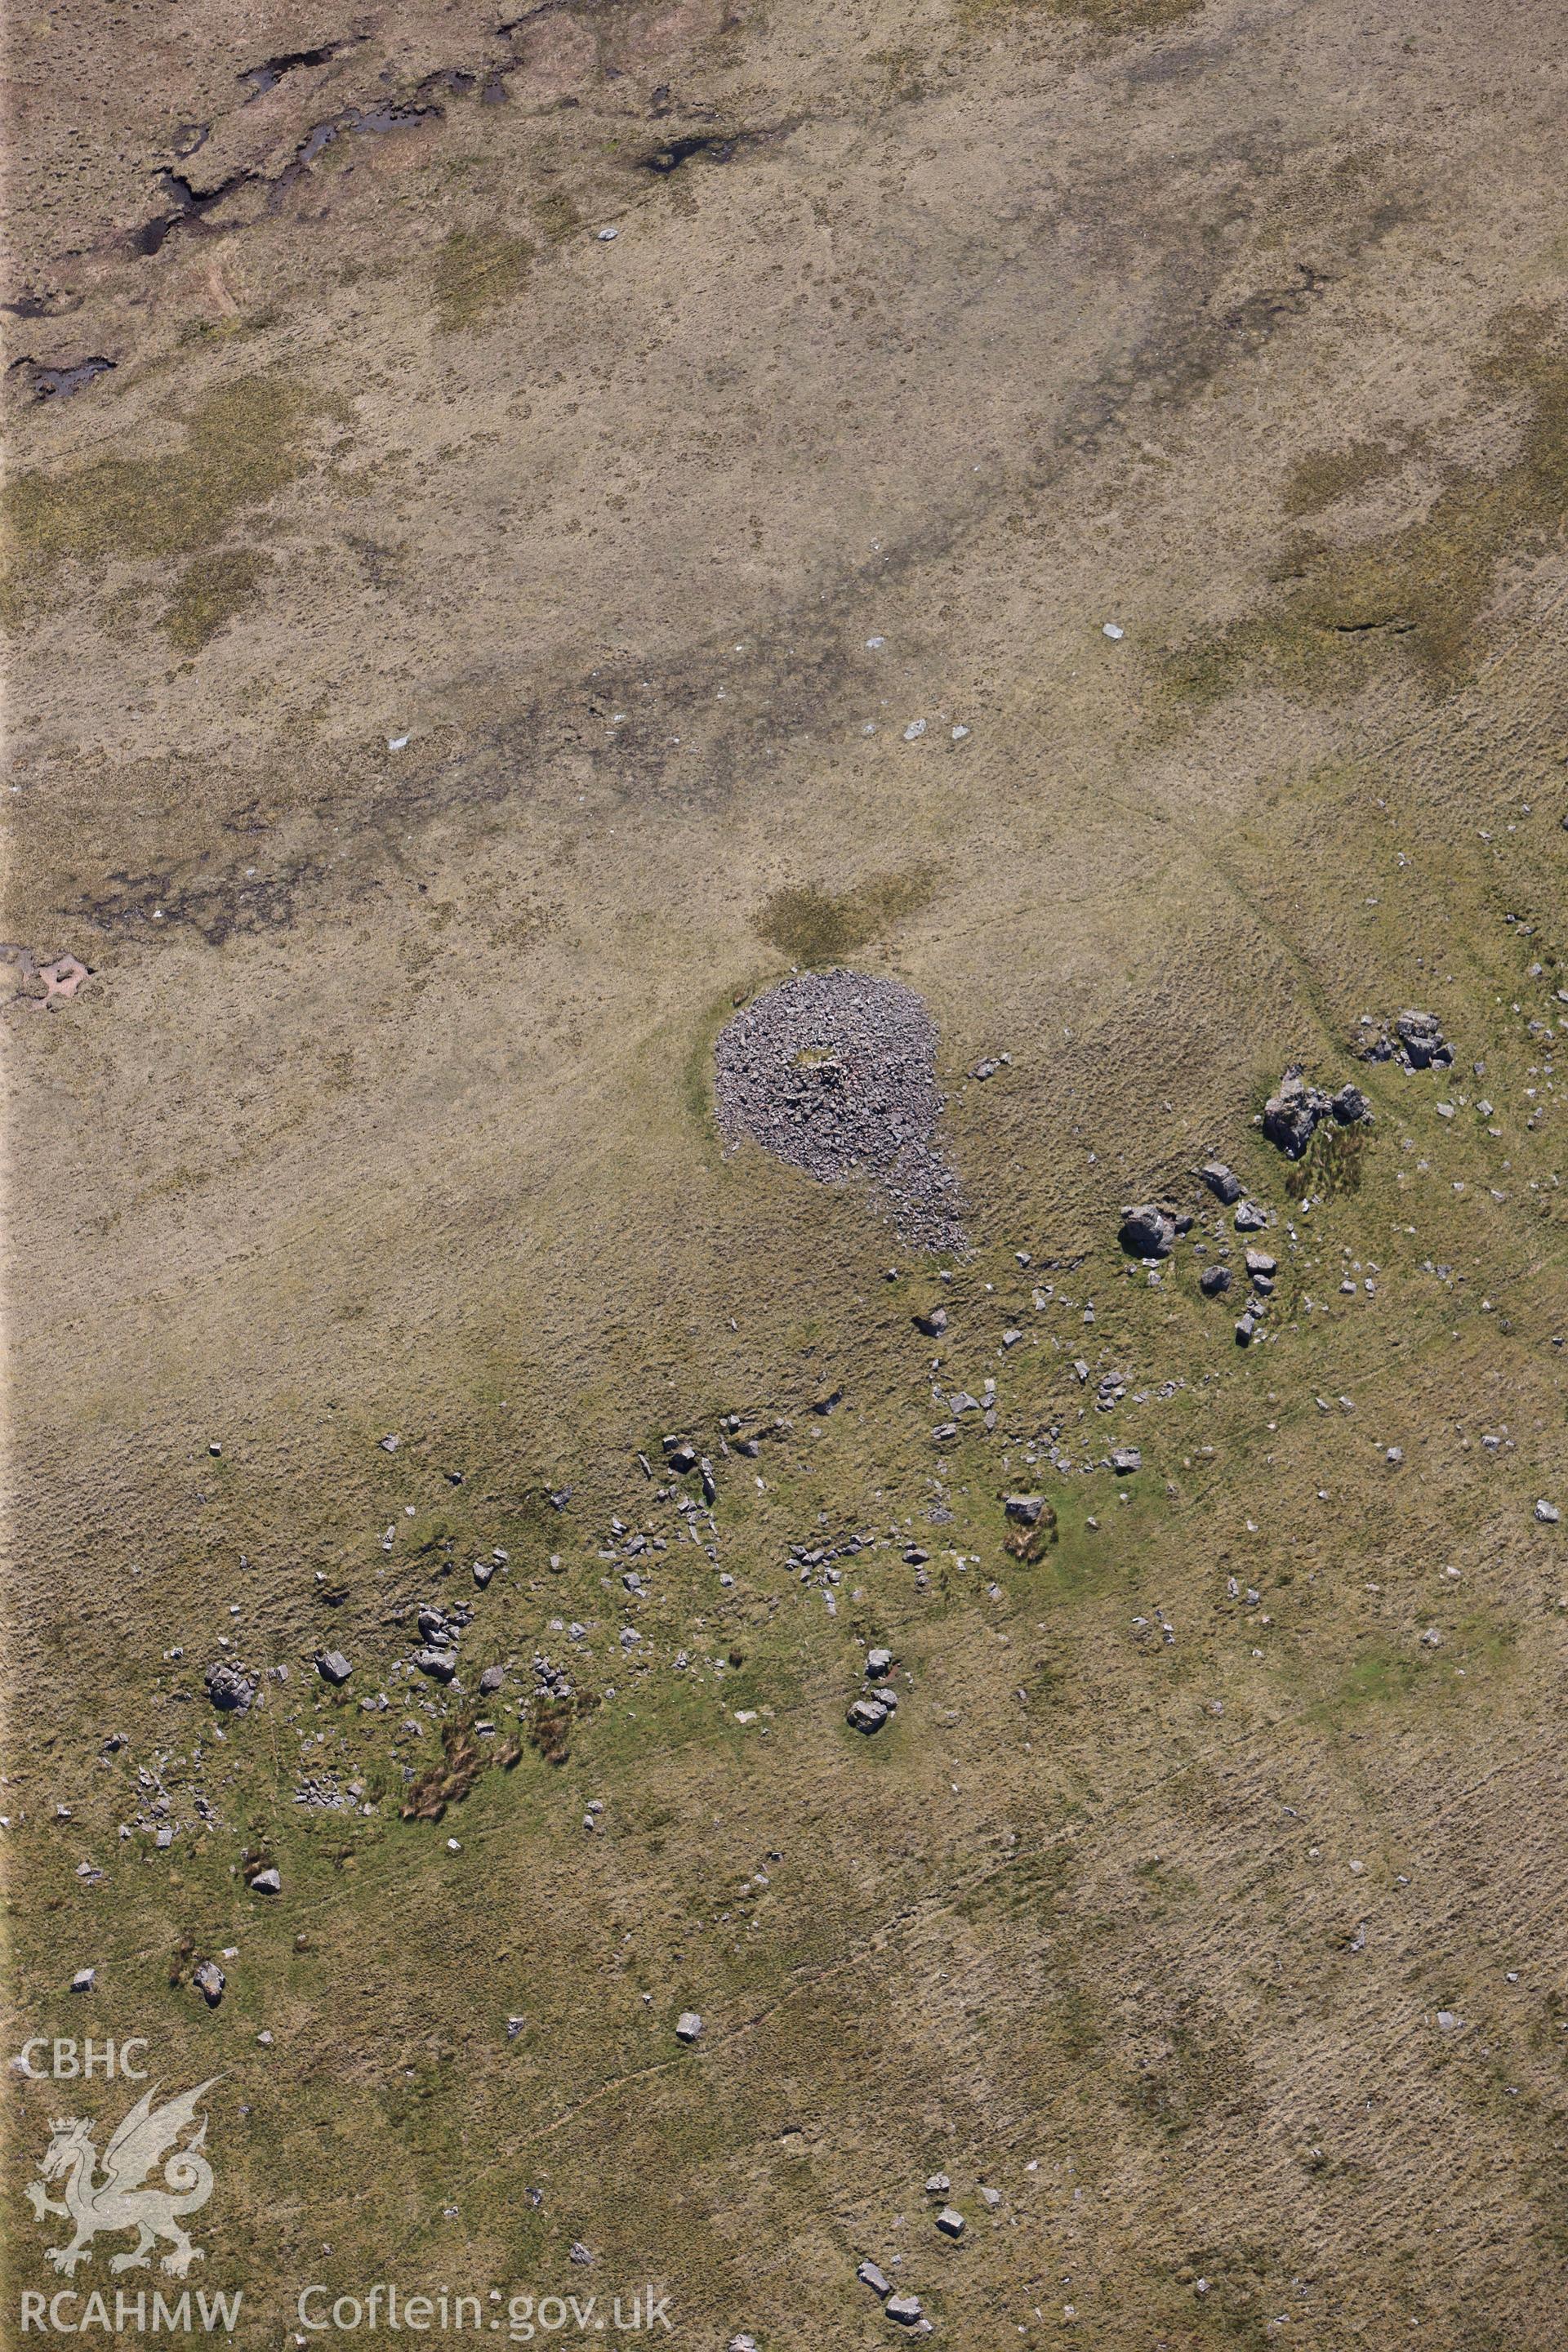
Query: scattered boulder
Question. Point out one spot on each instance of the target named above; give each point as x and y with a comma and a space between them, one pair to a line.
869, 1713
491, 1680
1125, 1460
1350, 1106
949, 2221
870, 2276
84, 1980
1245, 1328
1259, 1262
1034, 1528
904, 2308
1547, 1513
439, 1664
934, 1324
267, 1881
1250, 1218
209, 1981
687, 2026
1222, 1182
1148, 1230
332, 1667
1214, 1279
878, 1663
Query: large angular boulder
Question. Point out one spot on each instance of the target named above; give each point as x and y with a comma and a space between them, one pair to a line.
1148, 1232
1290, 1117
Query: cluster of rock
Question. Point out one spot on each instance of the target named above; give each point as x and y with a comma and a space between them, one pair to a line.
681, 1457
439, 1629
1261, 1268
1415, 1039
1292, 1115
904, 2308
877, 1699
1149, 1232
835, 1073
231, 1687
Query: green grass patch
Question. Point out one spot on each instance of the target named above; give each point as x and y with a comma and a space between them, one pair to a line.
476, 272
812, 925
243, 443
1338, 613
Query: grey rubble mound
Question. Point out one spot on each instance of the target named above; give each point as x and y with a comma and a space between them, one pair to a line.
835, 1073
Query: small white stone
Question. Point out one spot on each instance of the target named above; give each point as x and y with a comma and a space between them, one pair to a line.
1114, 629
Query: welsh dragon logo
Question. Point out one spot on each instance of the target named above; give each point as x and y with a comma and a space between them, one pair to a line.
122, 2199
